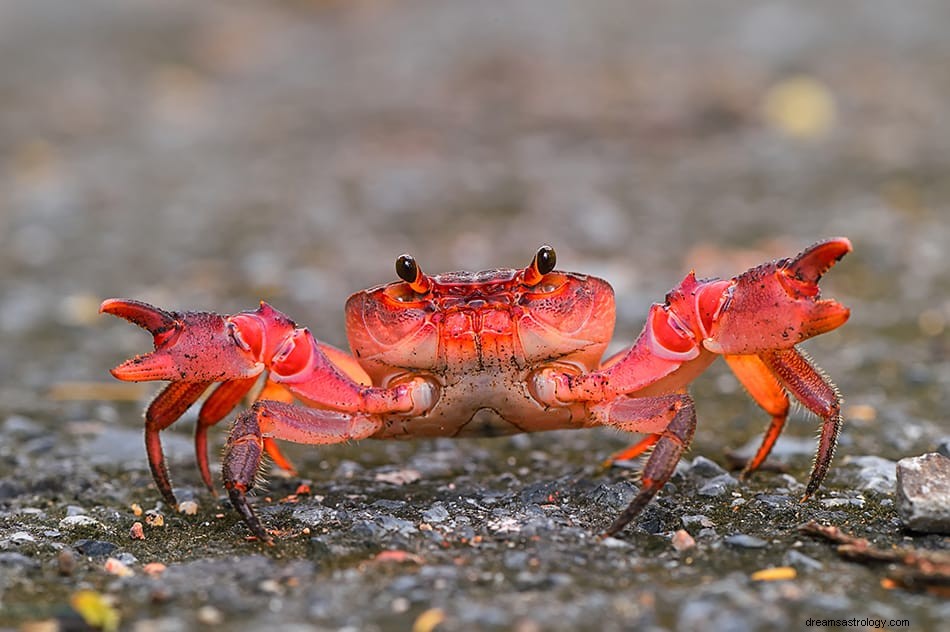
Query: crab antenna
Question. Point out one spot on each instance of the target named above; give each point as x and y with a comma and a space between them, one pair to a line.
544, 261
409, 271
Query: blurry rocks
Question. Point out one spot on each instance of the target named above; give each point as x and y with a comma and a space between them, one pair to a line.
871, 473
923, 492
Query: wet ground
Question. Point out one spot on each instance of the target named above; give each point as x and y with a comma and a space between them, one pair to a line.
211, 156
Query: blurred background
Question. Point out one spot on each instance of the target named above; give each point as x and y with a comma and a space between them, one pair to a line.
208, 155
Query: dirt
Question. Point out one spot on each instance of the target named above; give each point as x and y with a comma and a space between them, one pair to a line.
207, 157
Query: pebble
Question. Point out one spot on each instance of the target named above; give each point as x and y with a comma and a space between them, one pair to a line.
65, 562
77, 522
137, 532
435, 513
800, 560
923, 493
744, 541
871, 473
188, 507
705, 468
682, 540
95, 548
718, 485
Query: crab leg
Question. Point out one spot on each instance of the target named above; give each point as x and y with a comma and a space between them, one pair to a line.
820, 396
165, 409
279, 420
221, 402
673, 420
763, 387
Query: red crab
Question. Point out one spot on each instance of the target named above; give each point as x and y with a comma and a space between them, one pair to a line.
491, 353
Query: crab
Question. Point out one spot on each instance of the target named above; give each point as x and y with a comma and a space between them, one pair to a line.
490, 353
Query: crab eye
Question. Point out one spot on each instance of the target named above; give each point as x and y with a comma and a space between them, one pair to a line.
545, 259
543, 263
408, 270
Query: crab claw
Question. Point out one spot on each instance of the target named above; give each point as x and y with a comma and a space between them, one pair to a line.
189, 346
778, 304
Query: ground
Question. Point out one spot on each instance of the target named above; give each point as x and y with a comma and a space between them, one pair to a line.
211, 156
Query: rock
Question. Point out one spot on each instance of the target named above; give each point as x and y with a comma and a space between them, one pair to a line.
871, 473
436, 513
943, 446
705, 468
79, 522
95, 548
800, 560
923, 493
744, 541
718, 485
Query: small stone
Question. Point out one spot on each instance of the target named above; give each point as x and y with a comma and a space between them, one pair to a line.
77, 522
873, 473
697, 520
435, 513
154, 569
923, 493
188, 507
154, 518
137, 532
136, 509
95, 548
800, 560
117, 568
65, 562
209, 615
717, 486
943, 446
744, 541
21, 537
399, 477
73, 510
705, 468
682, 540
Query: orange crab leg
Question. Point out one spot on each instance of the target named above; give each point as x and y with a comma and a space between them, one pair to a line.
164, 410
763, 387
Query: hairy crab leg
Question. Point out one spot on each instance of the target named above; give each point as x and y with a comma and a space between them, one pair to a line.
164, 410
809, 385
677, 416
279, 420
768, 393
221, 402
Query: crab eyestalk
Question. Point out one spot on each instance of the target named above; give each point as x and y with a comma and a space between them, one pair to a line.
409, 271
542, 263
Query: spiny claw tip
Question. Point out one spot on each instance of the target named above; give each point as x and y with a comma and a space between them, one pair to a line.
138, 313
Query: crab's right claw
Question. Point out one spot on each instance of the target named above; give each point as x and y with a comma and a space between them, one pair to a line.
189, 346
776, 305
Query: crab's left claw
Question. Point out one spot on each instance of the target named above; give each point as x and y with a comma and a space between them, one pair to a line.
189, 346
192, 351
777, 305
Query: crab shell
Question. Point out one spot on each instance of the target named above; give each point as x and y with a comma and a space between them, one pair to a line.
480, 337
